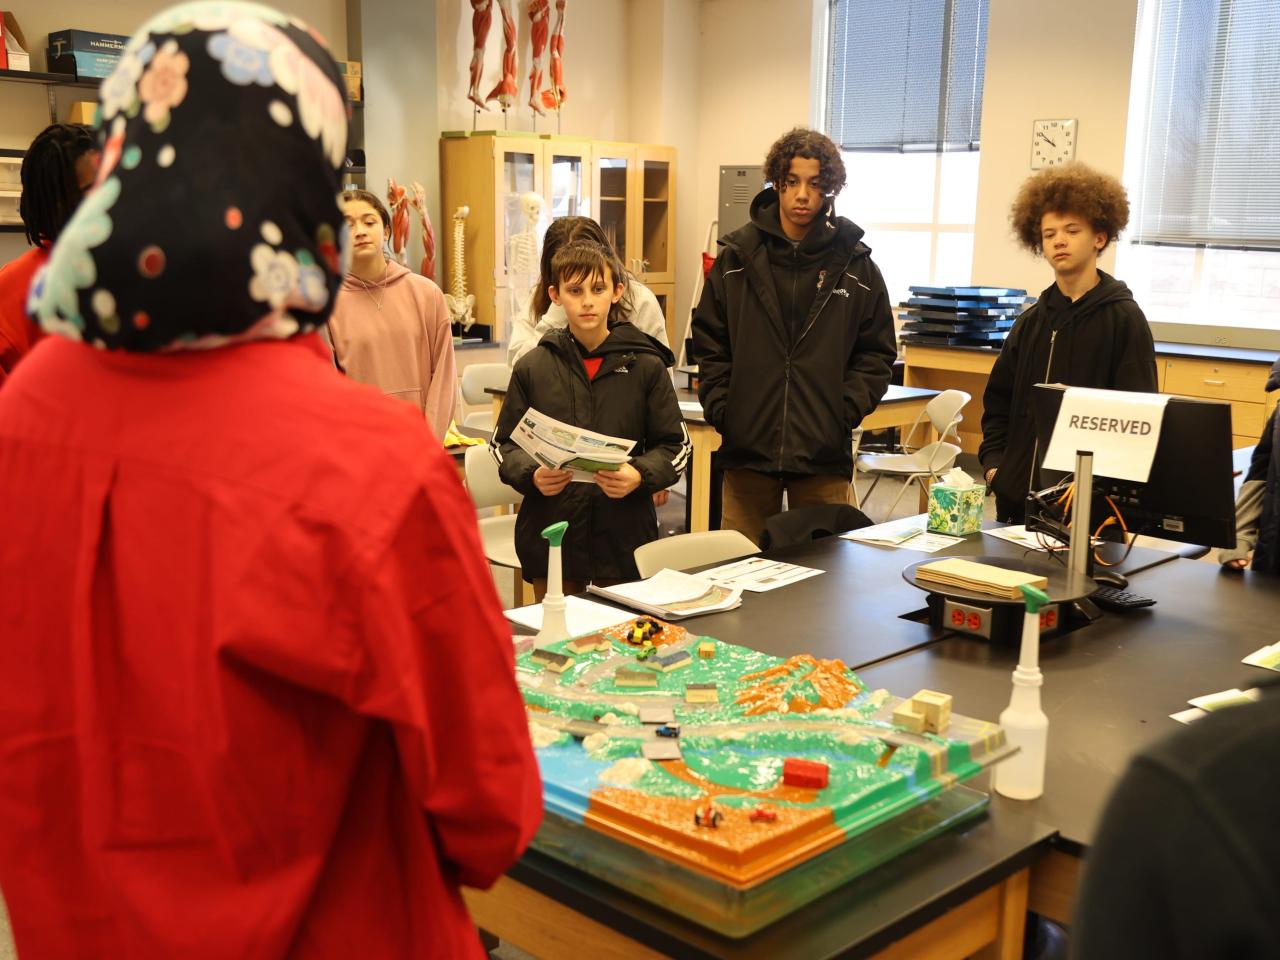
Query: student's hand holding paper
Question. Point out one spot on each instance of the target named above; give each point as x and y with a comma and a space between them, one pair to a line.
550, 482
616, 484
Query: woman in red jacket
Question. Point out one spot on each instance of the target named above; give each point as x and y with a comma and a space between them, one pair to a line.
257, 698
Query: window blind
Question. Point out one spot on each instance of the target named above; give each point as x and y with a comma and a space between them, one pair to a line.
907, 75
1205, 167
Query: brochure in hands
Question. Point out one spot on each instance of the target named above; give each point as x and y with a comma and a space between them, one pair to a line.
561, 446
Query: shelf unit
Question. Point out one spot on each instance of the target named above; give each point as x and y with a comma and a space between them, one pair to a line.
636, 187
50, 81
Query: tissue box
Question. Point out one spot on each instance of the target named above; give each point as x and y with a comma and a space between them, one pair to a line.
956, 510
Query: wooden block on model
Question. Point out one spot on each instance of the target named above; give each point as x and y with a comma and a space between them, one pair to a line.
906, 715
936, 708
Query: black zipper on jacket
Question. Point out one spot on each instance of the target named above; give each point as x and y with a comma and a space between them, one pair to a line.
786, 382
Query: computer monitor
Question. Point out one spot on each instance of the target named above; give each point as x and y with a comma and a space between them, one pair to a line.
1189, 496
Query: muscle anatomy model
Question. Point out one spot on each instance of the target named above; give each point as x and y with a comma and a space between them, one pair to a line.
539, 14
508, 86
481, 17
555, 96
398, 207
461, 304
419, 203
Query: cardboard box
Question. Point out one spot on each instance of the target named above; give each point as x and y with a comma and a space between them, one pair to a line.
13, 46
83, 111
86, 41
352, 76
83, 66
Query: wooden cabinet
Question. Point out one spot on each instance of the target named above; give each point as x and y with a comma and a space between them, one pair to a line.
488, 170
665, 293
634, 185
1240, 384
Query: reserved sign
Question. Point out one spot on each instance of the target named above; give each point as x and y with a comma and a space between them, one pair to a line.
1120, 429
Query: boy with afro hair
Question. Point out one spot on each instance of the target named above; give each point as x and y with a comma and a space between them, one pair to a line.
1085, 330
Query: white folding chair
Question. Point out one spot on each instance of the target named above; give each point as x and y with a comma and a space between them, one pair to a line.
476, 378
924, 464
497, 534
687, 550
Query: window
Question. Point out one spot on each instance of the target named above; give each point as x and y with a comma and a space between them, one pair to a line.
904, 103
1202, 165
907, 75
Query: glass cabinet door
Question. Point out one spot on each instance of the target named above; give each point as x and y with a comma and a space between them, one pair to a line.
519, 172
657, 220
568, 187
611, 179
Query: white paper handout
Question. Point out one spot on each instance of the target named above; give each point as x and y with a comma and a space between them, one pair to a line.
582, 616
693, 407
758, 574
559, 446
671, 594
1119, 428
905, 533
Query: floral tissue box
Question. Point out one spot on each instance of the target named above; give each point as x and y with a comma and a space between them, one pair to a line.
956, 510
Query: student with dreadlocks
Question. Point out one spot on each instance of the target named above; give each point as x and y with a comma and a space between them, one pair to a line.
56, 172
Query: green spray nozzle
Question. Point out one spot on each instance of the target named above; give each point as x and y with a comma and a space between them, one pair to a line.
1034, 597
555, 534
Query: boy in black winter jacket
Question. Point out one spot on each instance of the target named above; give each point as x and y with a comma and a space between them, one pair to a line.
1085, 330
602, 374
794, 340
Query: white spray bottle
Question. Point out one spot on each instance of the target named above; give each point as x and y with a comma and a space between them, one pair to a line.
554, 625
1021, 777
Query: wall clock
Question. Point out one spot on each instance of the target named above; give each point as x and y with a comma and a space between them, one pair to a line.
1053, 143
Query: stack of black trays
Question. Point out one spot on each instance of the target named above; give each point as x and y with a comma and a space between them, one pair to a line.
964, 316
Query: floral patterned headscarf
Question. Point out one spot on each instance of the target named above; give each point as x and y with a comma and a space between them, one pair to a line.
215, 216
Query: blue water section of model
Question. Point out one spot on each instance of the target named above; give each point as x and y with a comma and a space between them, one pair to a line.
568, 777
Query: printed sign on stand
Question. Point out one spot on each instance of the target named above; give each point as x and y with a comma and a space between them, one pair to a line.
1120, 429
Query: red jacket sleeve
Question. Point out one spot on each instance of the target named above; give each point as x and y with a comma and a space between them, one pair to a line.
437, 663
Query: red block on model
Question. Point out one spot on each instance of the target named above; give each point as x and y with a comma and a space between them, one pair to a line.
804, 773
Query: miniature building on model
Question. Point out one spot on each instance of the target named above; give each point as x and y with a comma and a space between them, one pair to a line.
707, 650
701, 693
672, 661
550, 660
927, 712
805, 773
628, 677
588, 644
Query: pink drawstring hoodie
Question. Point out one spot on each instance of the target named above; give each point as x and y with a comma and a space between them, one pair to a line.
394, 335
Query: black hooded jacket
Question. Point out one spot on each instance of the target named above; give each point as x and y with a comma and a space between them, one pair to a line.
1102, 340
1265, 467
794, 343
631, 396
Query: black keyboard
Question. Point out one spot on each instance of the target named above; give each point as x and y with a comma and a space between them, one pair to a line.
1114, 598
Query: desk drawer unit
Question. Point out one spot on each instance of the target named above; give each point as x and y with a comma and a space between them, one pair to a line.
1241, 384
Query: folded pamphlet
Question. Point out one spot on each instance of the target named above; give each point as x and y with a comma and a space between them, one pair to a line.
672, 595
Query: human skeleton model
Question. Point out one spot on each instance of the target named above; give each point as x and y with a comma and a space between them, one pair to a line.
461, 304
419, 203
508, 86
522, 253
539, 14
399, 204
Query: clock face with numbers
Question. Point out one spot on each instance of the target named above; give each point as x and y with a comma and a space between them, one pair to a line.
1053, 143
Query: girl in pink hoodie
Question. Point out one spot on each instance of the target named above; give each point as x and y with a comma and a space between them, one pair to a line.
390, 327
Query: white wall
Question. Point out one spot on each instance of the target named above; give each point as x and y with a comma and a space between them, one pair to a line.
1042, 64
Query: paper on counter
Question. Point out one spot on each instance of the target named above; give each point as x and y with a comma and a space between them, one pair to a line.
691, 406
582, 616
1225, 698
1188, 716
907, 533
1266, 657
758, 574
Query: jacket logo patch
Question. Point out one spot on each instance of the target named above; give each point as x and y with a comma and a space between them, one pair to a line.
622, 369
841, 291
